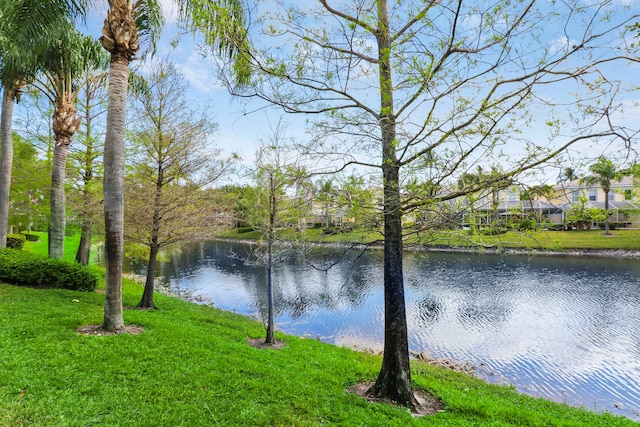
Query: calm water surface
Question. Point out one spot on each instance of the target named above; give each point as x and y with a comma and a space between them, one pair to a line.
564, 328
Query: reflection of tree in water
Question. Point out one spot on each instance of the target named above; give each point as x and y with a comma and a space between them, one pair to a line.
480, 309
459, 281
227, 257
301, 289
428, 311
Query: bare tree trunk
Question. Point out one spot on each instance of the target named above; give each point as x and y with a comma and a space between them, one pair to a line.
273, 211
6, 161
394, 379
147, 301
83, 253
114, 191
270, 317
84, 248
57, 201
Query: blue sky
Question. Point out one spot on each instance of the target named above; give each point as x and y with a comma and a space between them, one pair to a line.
240, 133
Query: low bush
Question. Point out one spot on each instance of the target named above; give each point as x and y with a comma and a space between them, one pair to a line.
31, 237
491, 231
24, 268
241, 230
15, 241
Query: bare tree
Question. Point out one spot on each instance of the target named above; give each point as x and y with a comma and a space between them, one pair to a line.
275, 206
86, 159
172, 162
428, 90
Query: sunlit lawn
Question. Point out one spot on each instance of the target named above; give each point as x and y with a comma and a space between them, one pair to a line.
192, 366
549, 240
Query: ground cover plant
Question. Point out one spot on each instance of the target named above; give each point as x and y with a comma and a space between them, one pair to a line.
193, 366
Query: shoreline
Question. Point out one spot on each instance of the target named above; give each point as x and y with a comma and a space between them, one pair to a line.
479, 250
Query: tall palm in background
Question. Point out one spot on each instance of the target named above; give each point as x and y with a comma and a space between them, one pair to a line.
602, 173
14, 67
26, 27
222, 23
63, 63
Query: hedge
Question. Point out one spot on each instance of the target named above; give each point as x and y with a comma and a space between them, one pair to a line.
31, 237
27, 269
15, 241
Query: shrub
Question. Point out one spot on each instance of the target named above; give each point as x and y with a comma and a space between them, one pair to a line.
241, 230
527, 225
15, 241
30, 237
24, 268
491, 231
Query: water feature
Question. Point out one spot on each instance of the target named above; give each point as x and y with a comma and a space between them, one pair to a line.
564, 328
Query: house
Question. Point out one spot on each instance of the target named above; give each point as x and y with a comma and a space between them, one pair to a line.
623, 211
505, 207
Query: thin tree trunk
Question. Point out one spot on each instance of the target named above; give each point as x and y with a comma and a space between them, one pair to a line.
147, 296
606, 209
394, 379
6, 147
273, 209
147, 301
57, 201
84, 248
270, 339
83, 253
114, 191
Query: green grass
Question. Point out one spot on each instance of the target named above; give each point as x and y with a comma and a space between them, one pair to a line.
192, 366
543, 240
41, 247
546, 240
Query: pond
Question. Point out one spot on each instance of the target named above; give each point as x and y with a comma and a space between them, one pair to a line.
563, 328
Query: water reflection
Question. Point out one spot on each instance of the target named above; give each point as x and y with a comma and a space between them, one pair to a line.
563, 328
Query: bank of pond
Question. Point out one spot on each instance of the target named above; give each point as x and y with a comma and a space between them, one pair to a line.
193, 366
562, 328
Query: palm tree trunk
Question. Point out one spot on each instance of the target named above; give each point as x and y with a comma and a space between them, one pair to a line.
114, 191
606, 210
120, 38
57, 201
6, 146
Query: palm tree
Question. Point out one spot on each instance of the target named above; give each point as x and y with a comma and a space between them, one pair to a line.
69, 56
25, 27
13, 68
603, 172
222, 23
568, 174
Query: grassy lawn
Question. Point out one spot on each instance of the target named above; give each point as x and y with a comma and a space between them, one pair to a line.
550, 240
547, 240
41, 247
192, 366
